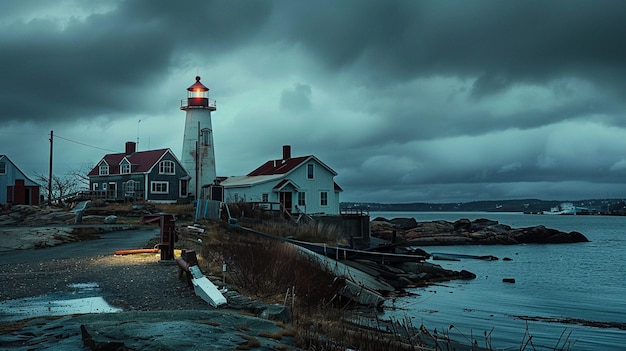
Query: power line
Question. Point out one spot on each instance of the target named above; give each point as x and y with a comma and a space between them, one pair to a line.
78, 142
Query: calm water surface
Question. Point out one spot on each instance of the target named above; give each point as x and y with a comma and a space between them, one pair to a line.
584, 281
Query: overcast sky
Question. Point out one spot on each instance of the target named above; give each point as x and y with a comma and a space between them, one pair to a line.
409, 101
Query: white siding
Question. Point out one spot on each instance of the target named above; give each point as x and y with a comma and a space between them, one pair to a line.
323, 180
8, 178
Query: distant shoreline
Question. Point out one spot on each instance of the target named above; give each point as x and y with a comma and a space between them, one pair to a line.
611, 207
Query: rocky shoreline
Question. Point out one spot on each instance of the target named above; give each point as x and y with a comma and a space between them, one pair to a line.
465, 232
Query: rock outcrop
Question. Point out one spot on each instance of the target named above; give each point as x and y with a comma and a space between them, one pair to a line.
465, 232
26, 227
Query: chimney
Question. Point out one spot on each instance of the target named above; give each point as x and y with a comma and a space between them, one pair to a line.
130, 147
286, 152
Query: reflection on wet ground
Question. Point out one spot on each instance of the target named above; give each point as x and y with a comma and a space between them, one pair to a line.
79, 299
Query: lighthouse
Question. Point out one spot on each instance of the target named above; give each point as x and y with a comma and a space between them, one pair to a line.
198, 153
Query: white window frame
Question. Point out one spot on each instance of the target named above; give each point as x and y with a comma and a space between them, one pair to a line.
94, 186
156, 187
103, 169
167, 167
324, 198
301, 198
104, 186
125, 168
130, 187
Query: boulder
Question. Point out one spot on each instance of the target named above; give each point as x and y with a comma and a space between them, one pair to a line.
541, 234
404, 223
465, 232
276, 312
482, 223
462, 223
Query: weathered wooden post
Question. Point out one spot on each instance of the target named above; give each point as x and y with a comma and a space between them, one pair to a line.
167, 222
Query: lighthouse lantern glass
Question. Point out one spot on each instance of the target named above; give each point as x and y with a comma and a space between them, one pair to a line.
197, 93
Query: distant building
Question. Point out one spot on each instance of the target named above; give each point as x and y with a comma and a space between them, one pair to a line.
153, 175
16, 188
299, 184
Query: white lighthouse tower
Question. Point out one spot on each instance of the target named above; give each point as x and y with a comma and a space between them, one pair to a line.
198, 154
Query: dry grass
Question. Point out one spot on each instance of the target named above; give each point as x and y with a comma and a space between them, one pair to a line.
270, 271
250, 342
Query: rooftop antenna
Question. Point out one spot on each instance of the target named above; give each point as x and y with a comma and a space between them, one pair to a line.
138, 122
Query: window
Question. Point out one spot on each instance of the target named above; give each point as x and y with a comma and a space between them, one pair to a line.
3, 168
324, 198
265, 197
236, 196
130, 187
159, 187
94, 186
206, 134
183, 188
309, 171
166, 167
125, 168
301, 199
104, 186
104, 169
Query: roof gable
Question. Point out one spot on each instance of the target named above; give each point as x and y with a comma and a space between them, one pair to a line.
6, 158
285, 183
145, 160
283, 166
142, 160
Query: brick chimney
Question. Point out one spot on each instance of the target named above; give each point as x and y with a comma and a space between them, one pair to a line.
130, 147
286, 152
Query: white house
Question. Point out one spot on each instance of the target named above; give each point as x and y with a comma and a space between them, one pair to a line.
15, 186
300, 184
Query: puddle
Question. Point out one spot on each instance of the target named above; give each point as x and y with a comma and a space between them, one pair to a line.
58, 304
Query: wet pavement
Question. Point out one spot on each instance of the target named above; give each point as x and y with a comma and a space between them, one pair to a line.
108, 243
78, 299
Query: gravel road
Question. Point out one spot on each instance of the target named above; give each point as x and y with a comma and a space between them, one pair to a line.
160, 311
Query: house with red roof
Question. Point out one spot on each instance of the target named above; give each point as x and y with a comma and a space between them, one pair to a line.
301, 184
16, 188
152, 175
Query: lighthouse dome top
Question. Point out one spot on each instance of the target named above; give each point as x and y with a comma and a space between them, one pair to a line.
197, 86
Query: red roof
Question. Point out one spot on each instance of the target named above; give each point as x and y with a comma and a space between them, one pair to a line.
142, 160
197, 86
279, 166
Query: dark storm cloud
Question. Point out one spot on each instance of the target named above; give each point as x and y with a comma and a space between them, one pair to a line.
97, 65
99, 61
502, 43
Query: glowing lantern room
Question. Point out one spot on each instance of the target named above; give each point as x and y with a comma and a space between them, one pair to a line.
197, 97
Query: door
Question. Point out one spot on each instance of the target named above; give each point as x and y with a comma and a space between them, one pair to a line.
286, 199
112, 193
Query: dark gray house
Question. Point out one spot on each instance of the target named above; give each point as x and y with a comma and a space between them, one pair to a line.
153, 175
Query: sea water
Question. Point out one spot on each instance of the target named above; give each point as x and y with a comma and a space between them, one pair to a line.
576, 282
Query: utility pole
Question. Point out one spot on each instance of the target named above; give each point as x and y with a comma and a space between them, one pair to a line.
50, 169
